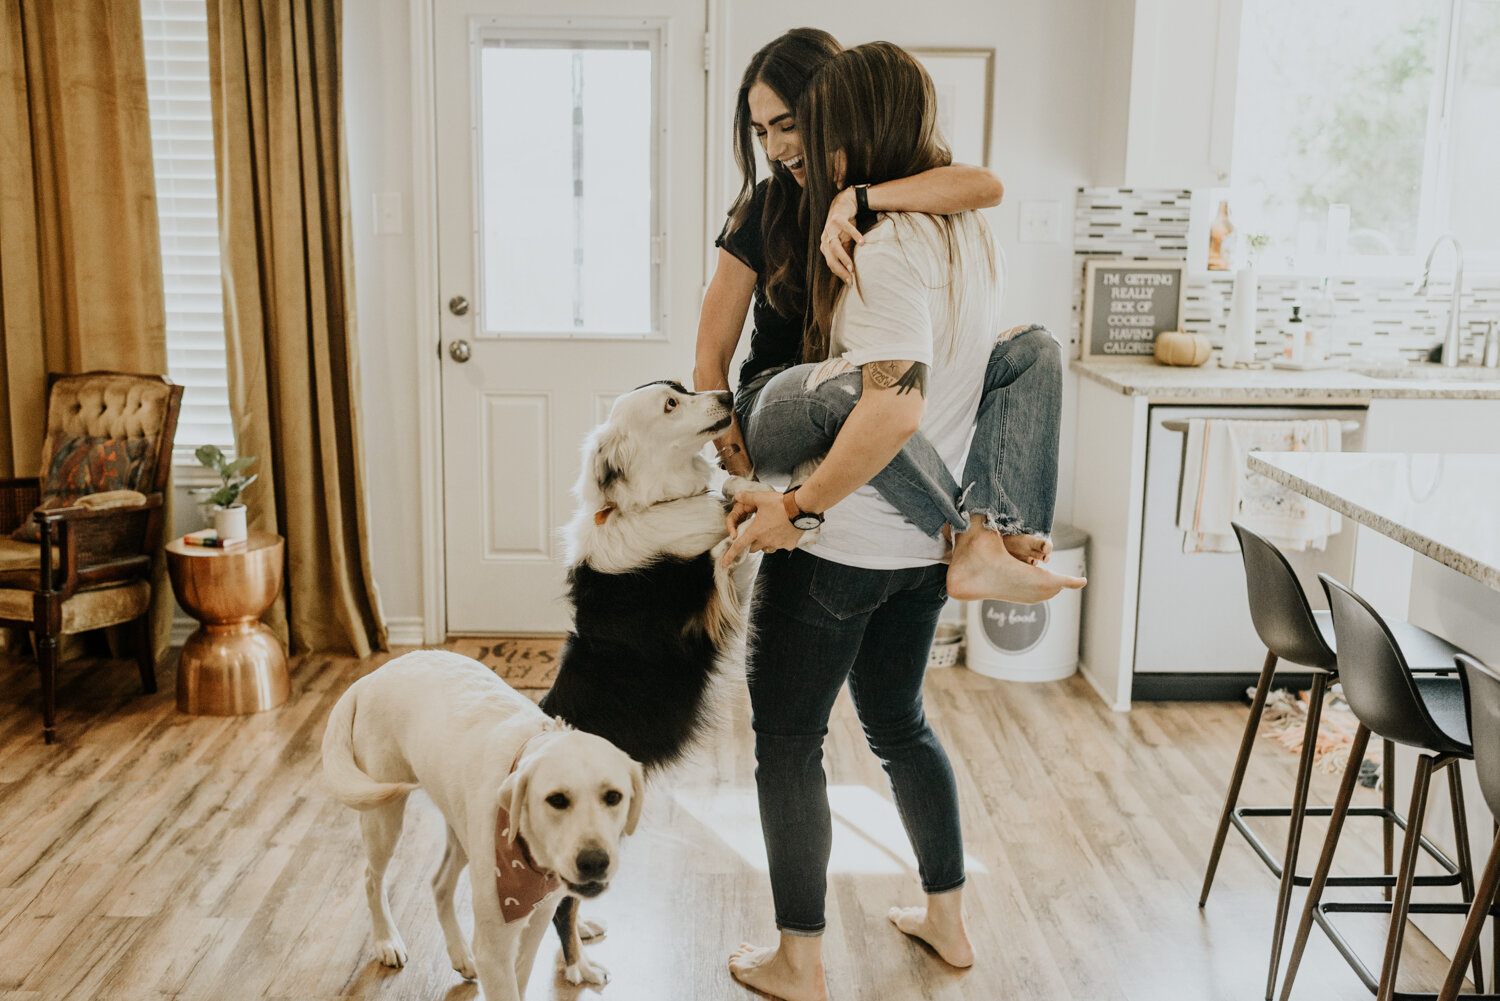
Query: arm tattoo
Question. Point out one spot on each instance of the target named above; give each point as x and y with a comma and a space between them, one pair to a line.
886, 374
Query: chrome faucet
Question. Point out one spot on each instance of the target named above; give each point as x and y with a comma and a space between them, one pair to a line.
1450, 336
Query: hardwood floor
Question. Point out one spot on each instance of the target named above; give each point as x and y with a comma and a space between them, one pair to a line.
151, 855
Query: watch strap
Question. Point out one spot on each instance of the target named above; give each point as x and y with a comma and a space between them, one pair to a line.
863, 217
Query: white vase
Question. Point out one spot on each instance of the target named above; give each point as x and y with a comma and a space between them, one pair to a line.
229, 522
1239, 329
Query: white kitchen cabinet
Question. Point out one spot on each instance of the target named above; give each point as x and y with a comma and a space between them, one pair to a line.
1179, 81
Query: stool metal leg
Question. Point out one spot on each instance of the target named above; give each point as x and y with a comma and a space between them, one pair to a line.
1402, 901
1294, 832
1468, 942
1465, 852
1257, 706
1388, 800
1325, 861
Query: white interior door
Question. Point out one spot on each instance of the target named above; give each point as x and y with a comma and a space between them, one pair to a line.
570, 221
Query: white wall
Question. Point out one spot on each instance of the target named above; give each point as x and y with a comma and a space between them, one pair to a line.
1048, 114
377, 108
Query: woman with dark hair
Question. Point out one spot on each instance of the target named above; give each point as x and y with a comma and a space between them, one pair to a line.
1011, 479
909, 339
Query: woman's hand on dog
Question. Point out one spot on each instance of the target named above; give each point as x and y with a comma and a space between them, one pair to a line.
758, 524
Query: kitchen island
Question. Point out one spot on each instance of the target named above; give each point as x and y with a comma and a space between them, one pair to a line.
1428, 550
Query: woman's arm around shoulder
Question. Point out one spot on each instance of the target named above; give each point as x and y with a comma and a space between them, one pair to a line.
958, 187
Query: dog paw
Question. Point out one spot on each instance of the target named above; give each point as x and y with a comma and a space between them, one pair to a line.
591, 931
391, 951
585, 971
464, 965
736, 484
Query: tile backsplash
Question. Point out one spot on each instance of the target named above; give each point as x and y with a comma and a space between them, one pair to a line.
1377, 317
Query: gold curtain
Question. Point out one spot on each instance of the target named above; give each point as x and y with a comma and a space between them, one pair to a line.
289, 302
80, 249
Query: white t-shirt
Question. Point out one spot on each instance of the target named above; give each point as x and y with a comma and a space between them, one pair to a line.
900, 310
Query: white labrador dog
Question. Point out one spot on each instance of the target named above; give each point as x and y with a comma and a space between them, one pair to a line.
549, 804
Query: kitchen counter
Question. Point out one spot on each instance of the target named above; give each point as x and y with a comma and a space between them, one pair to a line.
1211, 384
1441, 506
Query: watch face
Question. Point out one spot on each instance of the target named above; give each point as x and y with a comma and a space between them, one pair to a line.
806, 522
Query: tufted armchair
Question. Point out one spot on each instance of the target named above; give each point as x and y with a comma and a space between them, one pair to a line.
77, 544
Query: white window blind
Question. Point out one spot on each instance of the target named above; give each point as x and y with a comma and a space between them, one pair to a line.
182, 143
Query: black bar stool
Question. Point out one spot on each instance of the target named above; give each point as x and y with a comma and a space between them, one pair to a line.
1426, 713
1292, 631
1482, 687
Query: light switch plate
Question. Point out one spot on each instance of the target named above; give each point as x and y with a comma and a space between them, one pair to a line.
1041, 222
388, 219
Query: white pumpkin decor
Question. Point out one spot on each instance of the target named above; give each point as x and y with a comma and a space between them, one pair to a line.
1176, 347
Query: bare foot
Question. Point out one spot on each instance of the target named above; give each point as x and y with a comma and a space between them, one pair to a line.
769, 971
950, 942
1031, 549
983, 566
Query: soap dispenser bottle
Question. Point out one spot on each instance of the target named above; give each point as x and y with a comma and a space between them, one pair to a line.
1322, 322
1294, 338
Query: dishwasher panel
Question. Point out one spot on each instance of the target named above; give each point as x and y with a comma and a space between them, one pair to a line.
1193, 616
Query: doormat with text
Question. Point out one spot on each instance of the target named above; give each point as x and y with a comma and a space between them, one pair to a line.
523, 661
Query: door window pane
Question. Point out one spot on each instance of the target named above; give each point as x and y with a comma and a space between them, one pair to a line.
566, 186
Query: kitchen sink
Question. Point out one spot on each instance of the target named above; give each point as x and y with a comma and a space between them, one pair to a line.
1426, 370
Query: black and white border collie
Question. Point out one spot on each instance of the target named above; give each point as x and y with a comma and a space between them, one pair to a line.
654, 613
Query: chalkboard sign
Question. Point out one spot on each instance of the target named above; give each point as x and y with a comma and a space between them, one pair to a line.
1126, 304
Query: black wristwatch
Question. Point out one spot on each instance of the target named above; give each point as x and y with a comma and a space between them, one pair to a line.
802, 521
863, 217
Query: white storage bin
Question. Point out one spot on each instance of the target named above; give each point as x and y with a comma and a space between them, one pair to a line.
1032, 642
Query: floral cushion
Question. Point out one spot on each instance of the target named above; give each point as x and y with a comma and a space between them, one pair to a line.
82, 465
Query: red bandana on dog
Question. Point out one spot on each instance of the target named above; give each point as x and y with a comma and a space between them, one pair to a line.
518, 882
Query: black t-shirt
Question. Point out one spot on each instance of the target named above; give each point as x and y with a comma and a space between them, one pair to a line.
776, 340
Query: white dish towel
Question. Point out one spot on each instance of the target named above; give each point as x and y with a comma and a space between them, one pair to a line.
1218, 487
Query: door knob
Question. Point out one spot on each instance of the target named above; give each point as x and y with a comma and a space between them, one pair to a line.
458, 305
459, 351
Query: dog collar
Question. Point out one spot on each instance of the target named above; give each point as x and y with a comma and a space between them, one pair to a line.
602, 515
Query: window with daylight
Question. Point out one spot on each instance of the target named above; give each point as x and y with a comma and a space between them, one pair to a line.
569, 171
182, 144
1364, 129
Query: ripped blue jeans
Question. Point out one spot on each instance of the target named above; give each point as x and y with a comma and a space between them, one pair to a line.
1010, 475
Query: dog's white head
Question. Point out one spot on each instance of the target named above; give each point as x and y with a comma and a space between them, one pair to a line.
648, 449
572, 796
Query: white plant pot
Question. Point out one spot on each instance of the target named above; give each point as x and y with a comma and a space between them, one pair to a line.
229, 522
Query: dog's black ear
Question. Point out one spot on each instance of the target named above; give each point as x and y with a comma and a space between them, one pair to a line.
611, 456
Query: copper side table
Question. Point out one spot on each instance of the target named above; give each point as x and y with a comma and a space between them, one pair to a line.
232, 665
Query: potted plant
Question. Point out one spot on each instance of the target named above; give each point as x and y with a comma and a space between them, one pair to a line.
229, 513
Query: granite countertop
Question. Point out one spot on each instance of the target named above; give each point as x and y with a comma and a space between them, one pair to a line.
1211, 384
1442, 506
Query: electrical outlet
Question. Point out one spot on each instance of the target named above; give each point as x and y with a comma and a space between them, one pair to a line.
1041, 222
